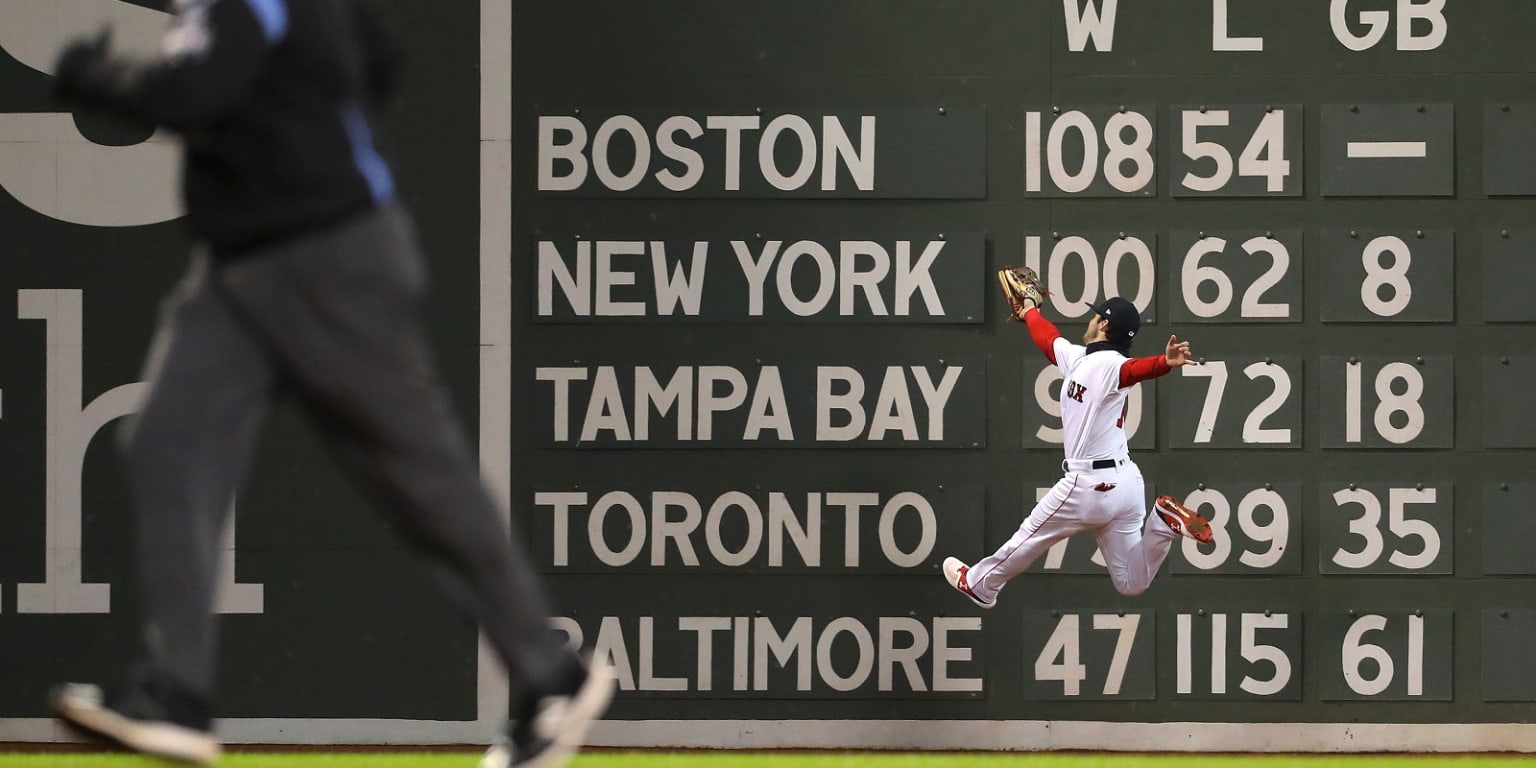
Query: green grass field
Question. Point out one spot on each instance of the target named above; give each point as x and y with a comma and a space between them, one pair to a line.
782, 760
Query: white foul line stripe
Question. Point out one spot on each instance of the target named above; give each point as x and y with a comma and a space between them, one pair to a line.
1370, 149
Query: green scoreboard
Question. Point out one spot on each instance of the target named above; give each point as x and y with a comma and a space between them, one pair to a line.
761, 383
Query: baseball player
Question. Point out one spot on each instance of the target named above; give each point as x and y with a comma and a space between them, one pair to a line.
1101, 488
307, 284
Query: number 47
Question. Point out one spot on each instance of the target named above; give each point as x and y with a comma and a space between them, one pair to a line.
1065, 644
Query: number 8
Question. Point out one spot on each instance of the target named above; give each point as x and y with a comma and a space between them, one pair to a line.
1136, 151
1394, 277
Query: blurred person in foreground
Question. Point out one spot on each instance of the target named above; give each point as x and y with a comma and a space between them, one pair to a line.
307, 282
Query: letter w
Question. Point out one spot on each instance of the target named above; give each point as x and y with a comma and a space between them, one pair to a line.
1087, 21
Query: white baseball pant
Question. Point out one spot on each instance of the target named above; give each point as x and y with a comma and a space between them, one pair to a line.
1111, 503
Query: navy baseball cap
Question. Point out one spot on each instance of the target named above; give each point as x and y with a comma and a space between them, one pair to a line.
1124, 319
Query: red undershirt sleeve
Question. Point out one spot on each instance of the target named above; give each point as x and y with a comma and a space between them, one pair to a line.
1143, 368
1043, 332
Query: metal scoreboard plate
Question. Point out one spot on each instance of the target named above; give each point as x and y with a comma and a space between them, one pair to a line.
1385, 655
733, 153
1243, 402
1388, 150
886, 524
770, 277
1388, 276
1508, 634
1235, 276
1092, 150
749, 402
1088, 655
1238, 655
1509, 420
1252, 150
804, 638
1388, 402
1508, 527
1080, 267
1381, 528
1509, 149
1257, 525
1508, 270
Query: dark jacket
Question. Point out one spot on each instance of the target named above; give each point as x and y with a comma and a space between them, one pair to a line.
270, 97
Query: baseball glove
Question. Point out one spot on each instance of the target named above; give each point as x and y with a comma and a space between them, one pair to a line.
1020, 283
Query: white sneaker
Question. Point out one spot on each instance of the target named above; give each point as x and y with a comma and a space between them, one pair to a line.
147, 719
559, 729
955, 572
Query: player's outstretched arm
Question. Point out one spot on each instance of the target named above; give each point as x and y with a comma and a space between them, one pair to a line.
212, 59
1177, 353
1024, 292
1041, 331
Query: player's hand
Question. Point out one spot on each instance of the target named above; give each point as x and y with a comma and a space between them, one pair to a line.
79, 60
1177, 353
1023, 309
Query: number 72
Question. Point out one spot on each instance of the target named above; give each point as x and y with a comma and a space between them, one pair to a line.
1254, 432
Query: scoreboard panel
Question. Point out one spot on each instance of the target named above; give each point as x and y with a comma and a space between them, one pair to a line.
1086, 656
1508, 163
1386, 656
1369, 276
1324, 196
1506, 263
1388, 150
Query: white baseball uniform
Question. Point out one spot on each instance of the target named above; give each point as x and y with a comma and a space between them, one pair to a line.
1102, 489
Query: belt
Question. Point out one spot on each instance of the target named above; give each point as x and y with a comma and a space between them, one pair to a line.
1087, 465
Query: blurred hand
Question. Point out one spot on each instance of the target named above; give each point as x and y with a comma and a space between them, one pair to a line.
79, 58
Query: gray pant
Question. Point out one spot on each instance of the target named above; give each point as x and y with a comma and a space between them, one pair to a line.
332, 317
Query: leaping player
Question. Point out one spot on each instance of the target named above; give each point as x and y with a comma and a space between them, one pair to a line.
1101, 489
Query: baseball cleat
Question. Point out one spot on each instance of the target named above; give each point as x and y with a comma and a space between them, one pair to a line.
153, 717
1184, 520
954, 573
559, 726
